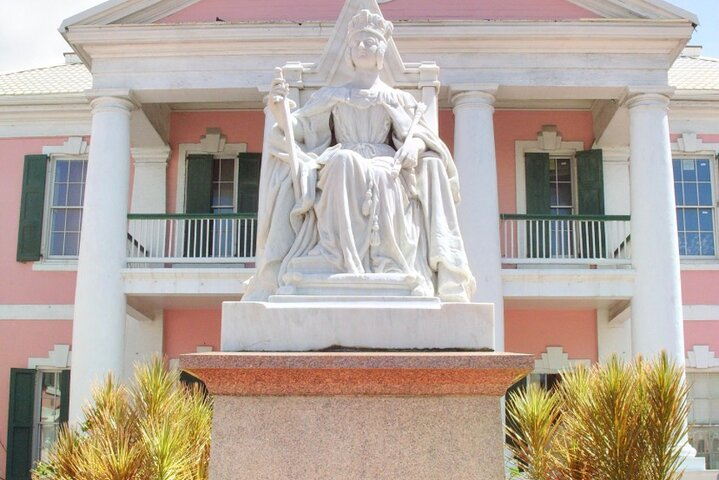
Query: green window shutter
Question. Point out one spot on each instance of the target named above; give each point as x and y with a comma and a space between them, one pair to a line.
536, 170
198, 198
590, 188
590, 182
20, 424
64, 396
248, 182
31, 208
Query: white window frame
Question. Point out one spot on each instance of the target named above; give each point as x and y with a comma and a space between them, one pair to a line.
73, 148
711, 156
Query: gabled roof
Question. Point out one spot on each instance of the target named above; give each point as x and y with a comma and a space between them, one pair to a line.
695, 73
72, 78
150, 11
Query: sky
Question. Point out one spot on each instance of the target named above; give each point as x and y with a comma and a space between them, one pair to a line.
29, 36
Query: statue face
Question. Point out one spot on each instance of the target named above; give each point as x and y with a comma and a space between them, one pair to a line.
366, 50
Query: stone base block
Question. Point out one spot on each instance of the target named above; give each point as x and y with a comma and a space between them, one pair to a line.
304, 323
357, 416
348, 438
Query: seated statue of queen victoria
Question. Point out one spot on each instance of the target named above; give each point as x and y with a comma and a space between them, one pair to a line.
356, 186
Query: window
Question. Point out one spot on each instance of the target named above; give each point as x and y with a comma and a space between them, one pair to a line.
695, 206
560, 186
67, 191
53, 189
704, 416
38, 405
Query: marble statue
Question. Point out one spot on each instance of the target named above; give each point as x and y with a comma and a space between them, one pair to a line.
357, 191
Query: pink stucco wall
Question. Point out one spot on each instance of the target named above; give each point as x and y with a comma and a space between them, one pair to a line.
532, 331
327, 10
189, 127
698, 332
20, 340
700, 287
184, 330
19, 284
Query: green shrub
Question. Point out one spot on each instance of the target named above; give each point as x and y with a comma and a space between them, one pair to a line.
613, 421
155, 429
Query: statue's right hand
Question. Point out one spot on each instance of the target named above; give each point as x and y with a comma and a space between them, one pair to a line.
279, 90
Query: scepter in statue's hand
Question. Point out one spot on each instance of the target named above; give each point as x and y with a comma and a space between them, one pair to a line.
280, 106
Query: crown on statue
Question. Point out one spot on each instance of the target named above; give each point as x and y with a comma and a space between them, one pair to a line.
366, 21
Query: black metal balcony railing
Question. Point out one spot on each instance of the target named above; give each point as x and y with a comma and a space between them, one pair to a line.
570, 239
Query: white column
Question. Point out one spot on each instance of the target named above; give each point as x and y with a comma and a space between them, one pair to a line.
657, 303
478, 211
657, 320
429, 88
98, 332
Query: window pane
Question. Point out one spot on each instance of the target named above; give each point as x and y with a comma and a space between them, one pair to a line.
59, 196
705, 220
707, 245
693, 244
74, 217
689, 170
677, 167
691, 219
680, 219
76, 171
703, 171
705, 193
682, 243
563, 170
58, 220
56, 243
564, 194
62, 169
72, 244
226, 194
679, 193
690, 194
227, 172
74, 195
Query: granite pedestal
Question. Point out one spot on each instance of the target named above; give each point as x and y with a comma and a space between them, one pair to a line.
357, 415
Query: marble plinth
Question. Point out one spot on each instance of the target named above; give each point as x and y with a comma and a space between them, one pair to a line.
378, 415
303, 323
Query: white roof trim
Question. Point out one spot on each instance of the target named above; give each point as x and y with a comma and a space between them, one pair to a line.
649, 9
126, 11
148, 11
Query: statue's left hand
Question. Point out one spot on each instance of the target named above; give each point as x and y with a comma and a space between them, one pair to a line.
408, 153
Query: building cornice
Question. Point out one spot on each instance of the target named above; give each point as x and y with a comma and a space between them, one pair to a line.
44, 115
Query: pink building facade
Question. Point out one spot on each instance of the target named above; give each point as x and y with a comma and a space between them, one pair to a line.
585, 133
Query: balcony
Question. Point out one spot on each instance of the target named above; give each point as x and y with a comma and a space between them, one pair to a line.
571, 240
176, 240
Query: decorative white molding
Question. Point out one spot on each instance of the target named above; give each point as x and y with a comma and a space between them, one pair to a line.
213, 142
174, 363
700, 312
554, 360
72, 146
36, 312
58, 357
549, 138
688, 142
701, 357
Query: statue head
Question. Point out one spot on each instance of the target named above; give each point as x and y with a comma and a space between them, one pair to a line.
367, 37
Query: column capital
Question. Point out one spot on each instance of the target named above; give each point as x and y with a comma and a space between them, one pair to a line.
150, 155
112, 99
478, 95
650, 97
